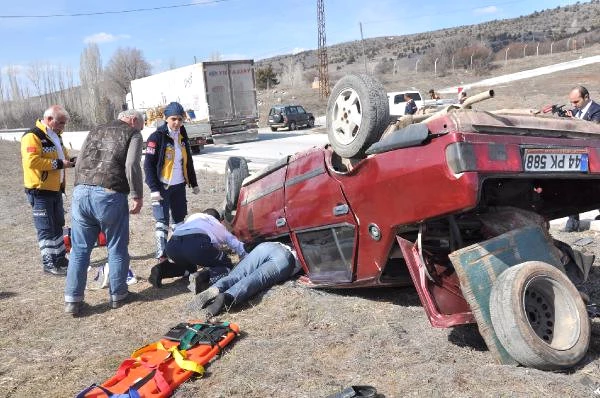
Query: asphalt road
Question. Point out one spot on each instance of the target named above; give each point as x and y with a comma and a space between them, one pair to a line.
270, 147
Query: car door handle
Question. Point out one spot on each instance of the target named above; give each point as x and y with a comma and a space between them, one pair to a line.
340, 210
280, 222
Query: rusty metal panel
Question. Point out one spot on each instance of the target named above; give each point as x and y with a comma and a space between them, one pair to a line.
479, 265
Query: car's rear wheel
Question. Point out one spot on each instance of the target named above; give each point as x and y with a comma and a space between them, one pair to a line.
292, 126
311, 123
539, 316
273, 128
236, 169
357, 114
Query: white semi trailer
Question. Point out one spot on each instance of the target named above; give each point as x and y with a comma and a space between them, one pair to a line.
219, 97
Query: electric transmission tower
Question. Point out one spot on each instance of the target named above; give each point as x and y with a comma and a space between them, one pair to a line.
323, 63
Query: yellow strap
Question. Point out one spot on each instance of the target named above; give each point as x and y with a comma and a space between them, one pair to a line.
186, 364
179, 356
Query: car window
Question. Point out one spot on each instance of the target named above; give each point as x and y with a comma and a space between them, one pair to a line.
292, 109
415, 96
328, 252
398, 98
300, 109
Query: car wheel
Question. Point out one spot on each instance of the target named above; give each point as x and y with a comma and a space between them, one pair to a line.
292, 126
196, 149
273, 128
357, 114
311, 123
236, 169
539, 316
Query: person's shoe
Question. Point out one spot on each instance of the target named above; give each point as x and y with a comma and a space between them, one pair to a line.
54, 270
155, 277
73, 308
131, 279
62, 262
199, 281
572, 225
221, 302
571, 228
200, 300
118, 304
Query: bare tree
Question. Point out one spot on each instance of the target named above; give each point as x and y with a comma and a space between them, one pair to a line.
125, 65
90, 76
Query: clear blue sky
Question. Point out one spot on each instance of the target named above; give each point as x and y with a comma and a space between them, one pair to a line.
233, 28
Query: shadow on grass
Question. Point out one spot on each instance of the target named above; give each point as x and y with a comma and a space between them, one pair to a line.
5, 295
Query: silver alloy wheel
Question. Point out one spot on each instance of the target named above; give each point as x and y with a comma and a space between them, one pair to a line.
346, 116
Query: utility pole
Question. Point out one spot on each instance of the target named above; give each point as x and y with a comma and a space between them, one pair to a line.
323, 62
362, 40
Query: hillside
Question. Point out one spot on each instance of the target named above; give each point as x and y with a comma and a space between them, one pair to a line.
408, 61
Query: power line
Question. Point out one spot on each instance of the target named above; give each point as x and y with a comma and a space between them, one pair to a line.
85, 14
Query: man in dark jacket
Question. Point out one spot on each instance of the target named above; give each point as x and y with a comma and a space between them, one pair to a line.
169, 167
411, 107
585, 109
108, 169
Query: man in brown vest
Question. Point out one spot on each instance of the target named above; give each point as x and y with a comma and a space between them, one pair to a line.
107, 171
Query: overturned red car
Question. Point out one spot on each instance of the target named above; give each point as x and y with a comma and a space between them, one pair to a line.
455, 203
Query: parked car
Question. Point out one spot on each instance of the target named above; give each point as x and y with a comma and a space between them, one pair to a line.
290, 116
456, 205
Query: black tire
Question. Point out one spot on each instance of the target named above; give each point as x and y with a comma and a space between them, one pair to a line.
236, 169
311, 123
273, 128
292, 126
196, 149
357, 114
539, 316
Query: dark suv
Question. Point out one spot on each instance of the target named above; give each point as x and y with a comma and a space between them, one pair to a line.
290, 116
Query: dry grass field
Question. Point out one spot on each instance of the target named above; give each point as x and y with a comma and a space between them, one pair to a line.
295, 342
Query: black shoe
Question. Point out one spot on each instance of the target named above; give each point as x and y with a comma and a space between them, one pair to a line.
355, 392
62, 262
73, 308
128, 299
54, 270
571, 227
155, 277
199, 281
222, 302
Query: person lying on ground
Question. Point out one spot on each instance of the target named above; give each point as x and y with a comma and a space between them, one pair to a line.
198, 242
268, 264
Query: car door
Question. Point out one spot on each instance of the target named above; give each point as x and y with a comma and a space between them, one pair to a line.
320, 219
260, 213
292, 114
302, 115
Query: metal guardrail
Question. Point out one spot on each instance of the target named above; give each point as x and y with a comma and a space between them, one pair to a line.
20, 130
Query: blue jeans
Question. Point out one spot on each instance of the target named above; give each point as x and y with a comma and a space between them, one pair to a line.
196, 249
49, 220
173, 199
268, 264
95, 209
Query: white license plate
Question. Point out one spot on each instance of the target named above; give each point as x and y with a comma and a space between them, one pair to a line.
555, 160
